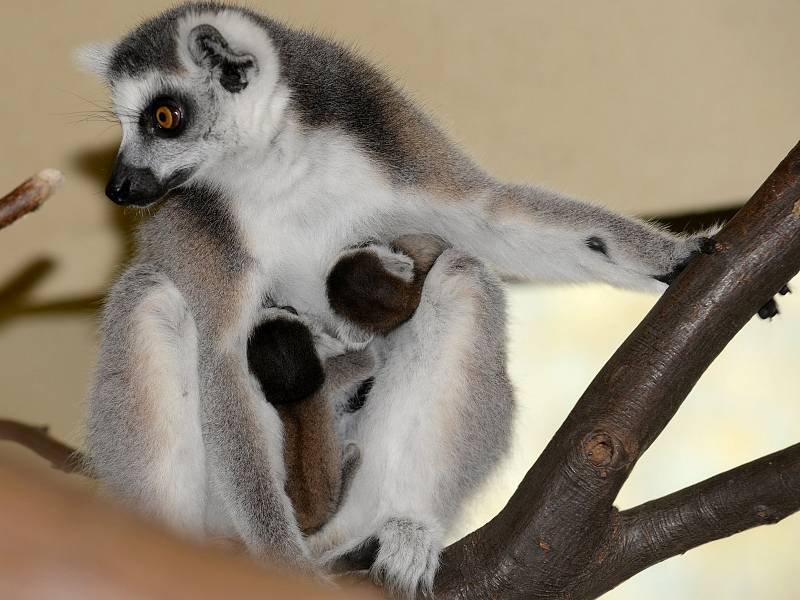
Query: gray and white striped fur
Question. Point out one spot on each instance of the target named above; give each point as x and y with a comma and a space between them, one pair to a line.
294, 149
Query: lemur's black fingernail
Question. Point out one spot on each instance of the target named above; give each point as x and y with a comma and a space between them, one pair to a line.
769, 310
708, 245
290, 309
785, 290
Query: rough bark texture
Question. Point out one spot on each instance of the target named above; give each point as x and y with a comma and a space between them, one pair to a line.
560, 536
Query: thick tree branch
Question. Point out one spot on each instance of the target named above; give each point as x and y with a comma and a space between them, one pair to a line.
761, 492
560, 518
28, 196
38, 440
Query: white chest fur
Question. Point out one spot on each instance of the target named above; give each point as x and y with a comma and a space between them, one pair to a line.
298, 209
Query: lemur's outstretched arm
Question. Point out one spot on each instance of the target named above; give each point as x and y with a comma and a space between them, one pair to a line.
533, 233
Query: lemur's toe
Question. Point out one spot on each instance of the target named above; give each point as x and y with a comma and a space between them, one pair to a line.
785, 290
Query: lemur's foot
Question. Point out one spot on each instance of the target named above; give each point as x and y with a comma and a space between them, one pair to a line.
407, 559
695, 246
402, 557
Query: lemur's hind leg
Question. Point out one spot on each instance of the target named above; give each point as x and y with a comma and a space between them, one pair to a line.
144, 433
437, 420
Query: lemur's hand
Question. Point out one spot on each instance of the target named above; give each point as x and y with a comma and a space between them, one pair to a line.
693, 246
702, 244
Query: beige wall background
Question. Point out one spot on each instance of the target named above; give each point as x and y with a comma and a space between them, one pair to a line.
644, 106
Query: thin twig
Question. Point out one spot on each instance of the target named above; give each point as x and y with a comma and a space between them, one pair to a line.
38, 440
29, 196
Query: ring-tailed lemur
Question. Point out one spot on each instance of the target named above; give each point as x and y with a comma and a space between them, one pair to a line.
277, 149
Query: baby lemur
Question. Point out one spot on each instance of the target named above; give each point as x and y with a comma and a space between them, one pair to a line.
275, 150
282, 354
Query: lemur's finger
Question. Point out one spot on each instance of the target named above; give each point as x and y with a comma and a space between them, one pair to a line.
769, 310
785, 290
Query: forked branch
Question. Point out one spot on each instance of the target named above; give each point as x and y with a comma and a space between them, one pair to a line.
761, 492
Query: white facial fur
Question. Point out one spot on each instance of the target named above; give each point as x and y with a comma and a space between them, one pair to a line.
219, 123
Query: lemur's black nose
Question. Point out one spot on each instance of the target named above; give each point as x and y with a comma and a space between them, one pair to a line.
133, 185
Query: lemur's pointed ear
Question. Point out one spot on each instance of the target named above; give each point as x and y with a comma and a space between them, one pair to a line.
210, 50
95, 58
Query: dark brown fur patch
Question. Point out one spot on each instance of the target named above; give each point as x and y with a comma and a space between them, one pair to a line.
361, 290
313, 456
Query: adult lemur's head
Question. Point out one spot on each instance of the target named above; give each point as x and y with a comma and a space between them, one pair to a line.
189, 86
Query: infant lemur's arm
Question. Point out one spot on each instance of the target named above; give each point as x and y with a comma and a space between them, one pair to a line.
378, 294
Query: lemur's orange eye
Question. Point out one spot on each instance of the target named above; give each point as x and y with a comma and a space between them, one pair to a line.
168, 117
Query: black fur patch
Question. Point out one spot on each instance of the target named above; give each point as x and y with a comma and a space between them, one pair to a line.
359, 399
282, 356
597, 244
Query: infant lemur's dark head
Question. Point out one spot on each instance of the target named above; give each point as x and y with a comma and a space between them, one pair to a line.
282, 356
